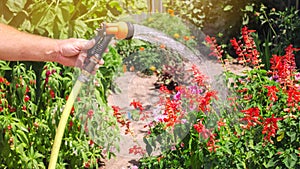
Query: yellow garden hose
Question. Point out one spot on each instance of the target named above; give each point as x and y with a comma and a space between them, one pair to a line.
62, 124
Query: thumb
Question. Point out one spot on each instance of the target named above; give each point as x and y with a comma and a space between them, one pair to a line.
87, 44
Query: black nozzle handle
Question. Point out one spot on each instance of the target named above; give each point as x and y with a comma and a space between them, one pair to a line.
94, 55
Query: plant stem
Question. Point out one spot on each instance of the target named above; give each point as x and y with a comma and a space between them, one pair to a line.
92, 20
88, 12
269, 23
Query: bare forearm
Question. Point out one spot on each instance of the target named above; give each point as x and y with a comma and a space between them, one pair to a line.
16, 45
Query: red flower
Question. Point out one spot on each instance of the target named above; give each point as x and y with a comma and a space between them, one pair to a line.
52, 94
72, 111
293, 97
247, 52
172, 110
9, 127
91, 143
24, 108
36, 124
200, 128
70, 124
137, 150
137, 105
214, 47
252, 116
2, 79
164, 89
205, 101
211, 144
284, 67
90, 114
87, 165
115, 109
199, 78
121, 120
270, 127
221, 123
26, 98
48, 73
272, 90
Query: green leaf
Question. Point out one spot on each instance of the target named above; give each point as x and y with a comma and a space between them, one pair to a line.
249, 8
80, 28
245, 20
116, 5
22, 137
228, 8
16, 5
292, 135
271, 163
20, 148
4, 65
290, 160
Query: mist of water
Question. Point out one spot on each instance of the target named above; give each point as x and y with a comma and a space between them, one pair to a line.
156, 37
197, 56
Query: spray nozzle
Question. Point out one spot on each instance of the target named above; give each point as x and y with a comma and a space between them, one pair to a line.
119, 30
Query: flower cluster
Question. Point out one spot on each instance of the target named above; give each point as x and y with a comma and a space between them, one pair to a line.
272, 90
252, 117
284, 67
246, 52
198, 77
207, 133
216, 49
270, 128
171, 112
283, 70
202, 130
196, 97
211, 144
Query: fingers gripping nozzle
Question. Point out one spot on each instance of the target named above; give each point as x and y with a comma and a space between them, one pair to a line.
120, 30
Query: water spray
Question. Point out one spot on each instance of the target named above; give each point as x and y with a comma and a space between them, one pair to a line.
120, 30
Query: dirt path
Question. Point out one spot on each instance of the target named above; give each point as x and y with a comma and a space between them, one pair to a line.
141, 89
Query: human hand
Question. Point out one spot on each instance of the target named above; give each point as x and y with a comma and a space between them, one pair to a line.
70, 50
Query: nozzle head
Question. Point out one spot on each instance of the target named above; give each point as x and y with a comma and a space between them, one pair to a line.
121, 30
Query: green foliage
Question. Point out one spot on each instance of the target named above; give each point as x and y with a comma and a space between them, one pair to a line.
276, 29
172, 26
282, 25
212, 16
28, 122
66, 18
